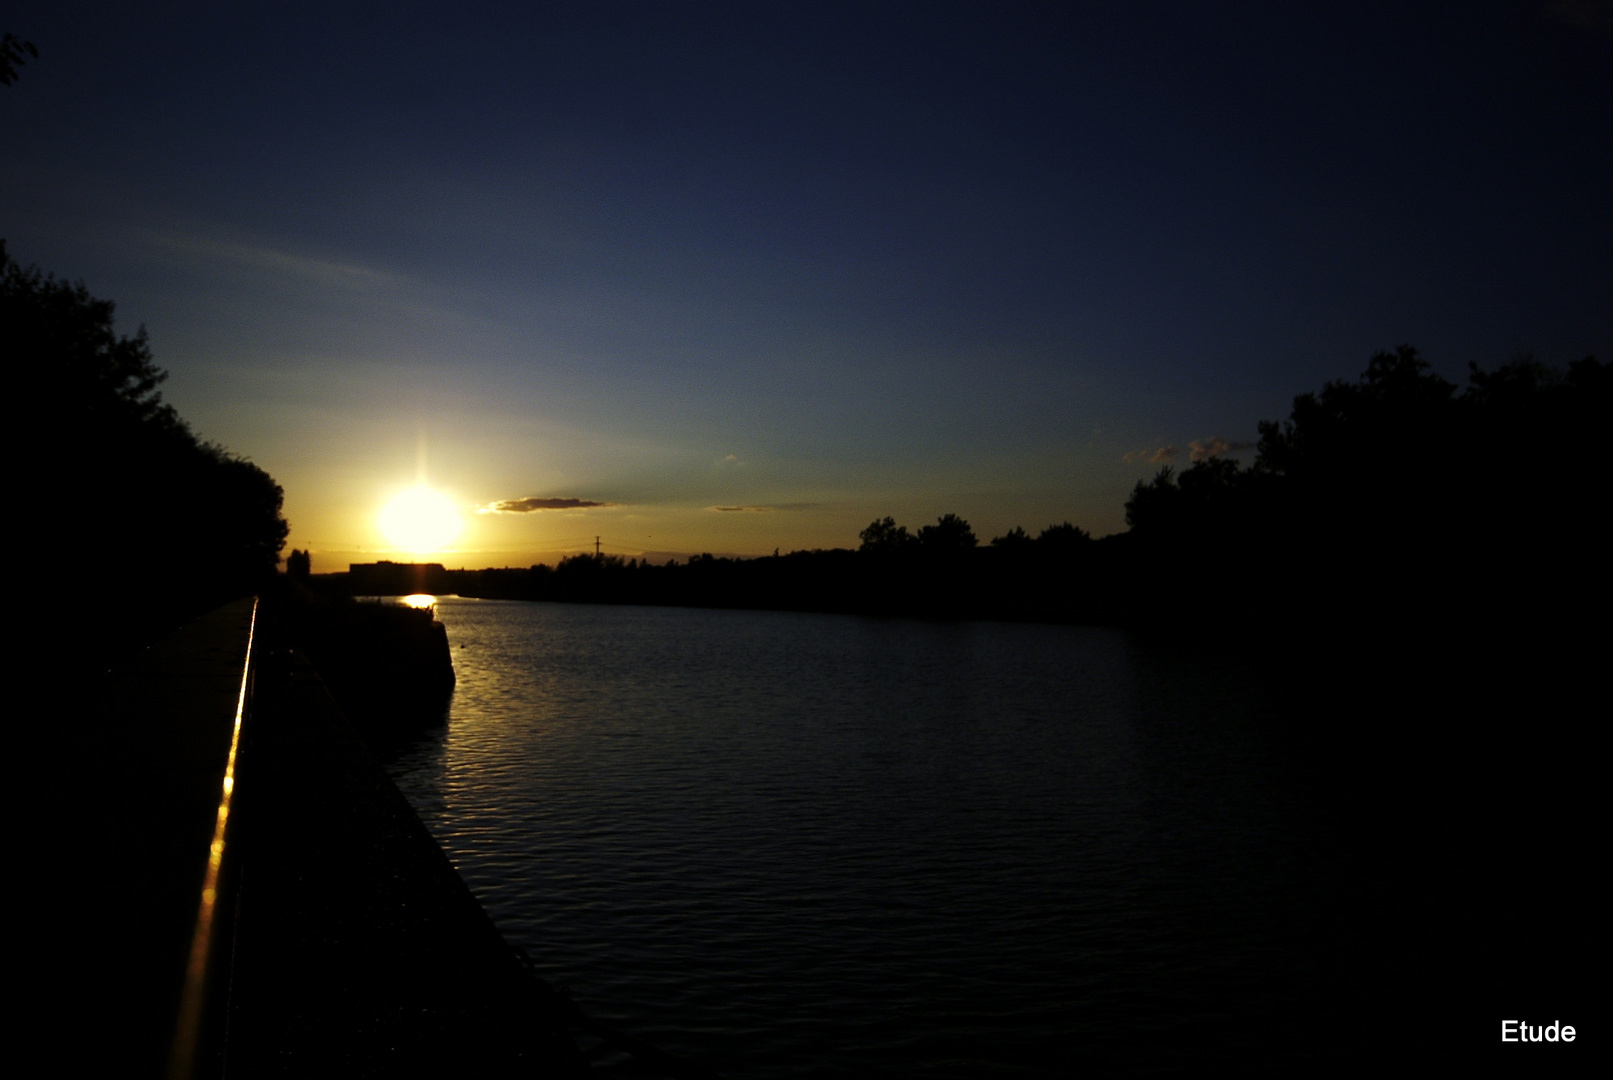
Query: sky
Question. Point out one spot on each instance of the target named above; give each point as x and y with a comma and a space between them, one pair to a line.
742, 277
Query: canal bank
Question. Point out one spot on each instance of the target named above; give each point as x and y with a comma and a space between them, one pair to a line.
247, 894
358, 949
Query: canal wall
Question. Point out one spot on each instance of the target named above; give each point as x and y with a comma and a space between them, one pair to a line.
237, 889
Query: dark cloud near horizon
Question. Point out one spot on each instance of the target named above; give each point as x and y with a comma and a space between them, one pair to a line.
531, 505
768, 508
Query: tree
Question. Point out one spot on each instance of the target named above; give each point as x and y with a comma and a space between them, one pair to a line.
91, 379
1063, 538
884, 534
1154, 506
1394, 490
1016, 537
950, 533
133, 493
1398, 411
12, 50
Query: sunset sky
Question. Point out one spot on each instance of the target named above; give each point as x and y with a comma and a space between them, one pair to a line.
736, 277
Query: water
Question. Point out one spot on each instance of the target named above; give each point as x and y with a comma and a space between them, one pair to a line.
797, 845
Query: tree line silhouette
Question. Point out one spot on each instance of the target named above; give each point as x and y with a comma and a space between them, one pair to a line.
1395, 494
140, 523
1398, 493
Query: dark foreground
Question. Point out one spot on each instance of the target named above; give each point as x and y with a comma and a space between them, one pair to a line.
343, 940
1459, 761
358, 948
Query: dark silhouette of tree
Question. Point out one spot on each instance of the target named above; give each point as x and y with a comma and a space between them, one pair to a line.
884, 535
1398, 410
1063, 536
93, 379
1534, 487
1388, 499
1394, 492
1208, 508
299, 565
1016, 537
134, 496
12, 51
1154, 506
1374, 479
949, 534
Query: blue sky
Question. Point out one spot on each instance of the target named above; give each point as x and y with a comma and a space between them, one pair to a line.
824, 262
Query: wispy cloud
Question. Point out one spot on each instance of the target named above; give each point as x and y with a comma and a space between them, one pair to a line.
534, 504
1199, 449
768, 509
322, 271
1157, 456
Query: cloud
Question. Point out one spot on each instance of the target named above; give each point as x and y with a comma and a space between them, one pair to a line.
533, 504
320, 271
1199, 449
768, 509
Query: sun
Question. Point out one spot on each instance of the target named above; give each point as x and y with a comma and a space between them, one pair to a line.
420, 520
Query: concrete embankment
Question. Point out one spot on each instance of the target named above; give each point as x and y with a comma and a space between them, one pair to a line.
143, 753
359, 950
338, 937
389, 666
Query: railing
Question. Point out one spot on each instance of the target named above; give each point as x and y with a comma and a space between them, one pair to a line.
204, 968
220, 757
150, 897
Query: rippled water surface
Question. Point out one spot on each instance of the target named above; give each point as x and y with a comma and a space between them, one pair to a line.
792, 844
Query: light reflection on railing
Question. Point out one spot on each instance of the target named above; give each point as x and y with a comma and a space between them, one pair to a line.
187, 1031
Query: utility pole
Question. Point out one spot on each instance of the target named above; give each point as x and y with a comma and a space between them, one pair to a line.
596, 547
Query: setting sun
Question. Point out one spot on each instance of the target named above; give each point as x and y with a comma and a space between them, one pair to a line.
420, 520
